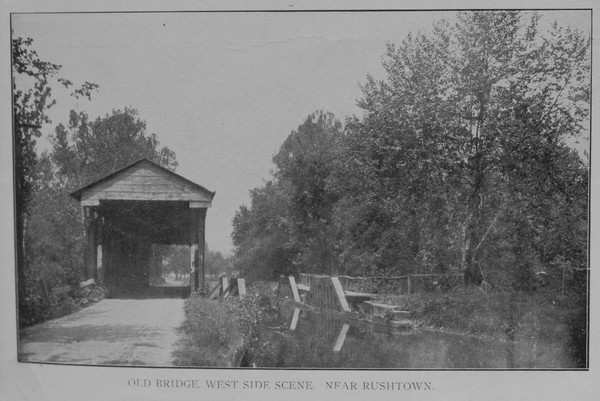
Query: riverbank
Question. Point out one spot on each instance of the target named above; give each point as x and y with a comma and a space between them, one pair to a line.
549, 329
508, 316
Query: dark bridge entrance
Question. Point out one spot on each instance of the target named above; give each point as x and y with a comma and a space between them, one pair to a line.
135, 215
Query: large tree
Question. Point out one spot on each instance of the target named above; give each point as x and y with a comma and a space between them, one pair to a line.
465, 142
33, 80
288, 227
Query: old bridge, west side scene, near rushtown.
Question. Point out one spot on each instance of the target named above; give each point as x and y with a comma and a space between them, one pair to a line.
435, 216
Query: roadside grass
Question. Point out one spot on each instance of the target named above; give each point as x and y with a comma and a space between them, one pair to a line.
217, 333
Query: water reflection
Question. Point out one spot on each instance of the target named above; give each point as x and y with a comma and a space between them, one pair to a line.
301, 338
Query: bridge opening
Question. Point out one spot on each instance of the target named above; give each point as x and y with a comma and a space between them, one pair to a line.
170, 270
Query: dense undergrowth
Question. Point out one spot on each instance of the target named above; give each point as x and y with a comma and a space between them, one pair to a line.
40, 305
217, 333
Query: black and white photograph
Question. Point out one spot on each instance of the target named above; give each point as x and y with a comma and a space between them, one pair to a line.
299, 200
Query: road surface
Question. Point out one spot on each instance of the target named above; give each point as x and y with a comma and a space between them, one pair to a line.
111, 332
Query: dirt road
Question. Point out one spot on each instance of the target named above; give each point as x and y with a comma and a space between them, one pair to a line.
111, 332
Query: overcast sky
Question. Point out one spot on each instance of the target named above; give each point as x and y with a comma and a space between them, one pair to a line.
223, 90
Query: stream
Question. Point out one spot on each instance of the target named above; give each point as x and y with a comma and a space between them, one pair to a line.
300, 338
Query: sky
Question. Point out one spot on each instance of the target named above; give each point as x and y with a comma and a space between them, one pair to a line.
224, 90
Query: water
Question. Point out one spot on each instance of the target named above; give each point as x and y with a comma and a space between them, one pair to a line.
307, 339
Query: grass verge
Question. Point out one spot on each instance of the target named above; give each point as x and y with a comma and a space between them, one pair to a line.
217, 333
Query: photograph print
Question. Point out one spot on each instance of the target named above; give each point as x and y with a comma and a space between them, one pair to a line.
395, 189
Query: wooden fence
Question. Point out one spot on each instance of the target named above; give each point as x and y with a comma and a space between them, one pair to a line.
398, 285
227, 287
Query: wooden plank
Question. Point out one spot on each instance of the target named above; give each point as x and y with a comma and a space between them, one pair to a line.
200, 204
99, 265
302, 287
142, 179
90, 202
86, 283
61, 290
295, 319
359, 294
340, 294
242, 287
294, 289
341, 338
216, 291
144, 196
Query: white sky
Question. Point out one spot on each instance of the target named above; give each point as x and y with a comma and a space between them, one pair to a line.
223, 90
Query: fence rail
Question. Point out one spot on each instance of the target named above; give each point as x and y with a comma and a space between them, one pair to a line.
398, 285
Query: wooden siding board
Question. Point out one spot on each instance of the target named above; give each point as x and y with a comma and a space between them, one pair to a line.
145, 182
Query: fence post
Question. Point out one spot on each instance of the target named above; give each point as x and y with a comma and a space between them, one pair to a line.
241, 288
295, 319
408, 285
339, 290
294, 289
224, 284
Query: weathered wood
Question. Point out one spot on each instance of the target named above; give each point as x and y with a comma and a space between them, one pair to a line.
144, 180
99, 264
201, 246
217, 290
125, 200
241, 287
86, 283
62, 290
294, 288
341, 338
199, 204
340, 294
295, 319
90, 202
90, 235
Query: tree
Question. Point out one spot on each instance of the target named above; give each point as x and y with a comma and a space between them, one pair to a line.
87, 150
466, 138
261, 235
288, 227
304, 164
32, 97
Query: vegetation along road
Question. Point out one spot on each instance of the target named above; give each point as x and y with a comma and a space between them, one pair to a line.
111, 332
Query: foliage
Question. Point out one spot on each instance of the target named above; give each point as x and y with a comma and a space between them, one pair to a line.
462, 163
288, 227
32, 97
82, 152
216, 264
462, 150
215, 333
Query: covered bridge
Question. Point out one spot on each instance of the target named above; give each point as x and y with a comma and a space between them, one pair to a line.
130, 212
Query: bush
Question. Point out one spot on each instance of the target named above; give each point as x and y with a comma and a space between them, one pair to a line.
217, 333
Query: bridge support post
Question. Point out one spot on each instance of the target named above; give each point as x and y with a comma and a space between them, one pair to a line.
90, 219
198, 219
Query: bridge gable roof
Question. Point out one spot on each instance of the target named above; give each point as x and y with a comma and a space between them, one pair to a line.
144, 180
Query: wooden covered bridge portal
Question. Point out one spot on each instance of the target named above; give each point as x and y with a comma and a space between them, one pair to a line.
131, 211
